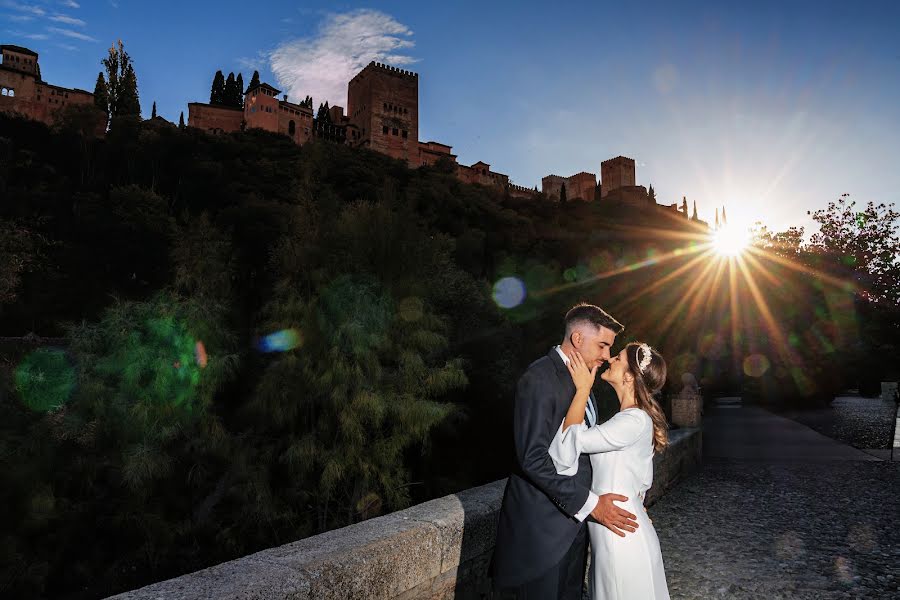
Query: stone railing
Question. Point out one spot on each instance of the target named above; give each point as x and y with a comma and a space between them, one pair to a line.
438, 549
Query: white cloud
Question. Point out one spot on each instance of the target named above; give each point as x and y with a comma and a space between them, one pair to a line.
68, 20
28, 36
68, 47
323, 64
19, 18
70, 4
26, 8
72, 34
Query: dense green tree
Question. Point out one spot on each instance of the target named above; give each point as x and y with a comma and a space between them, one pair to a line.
254, 81
323, 116
230, 92
563, 199
217, 93
863, 242
101, 95
684, 206
694, 216
153, 111
121, 83
651, 195
239, 95
181, 120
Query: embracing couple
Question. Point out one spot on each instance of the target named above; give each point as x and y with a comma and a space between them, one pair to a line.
572, 467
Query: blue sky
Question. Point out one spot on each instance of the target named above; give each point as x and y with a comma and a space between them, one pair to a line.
771, 109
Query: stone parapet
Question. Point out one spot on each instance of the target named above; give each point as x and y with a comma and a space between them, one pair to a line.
438, 549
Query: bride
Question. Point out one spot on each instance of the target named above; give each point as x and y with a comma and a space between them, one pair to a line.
623, 567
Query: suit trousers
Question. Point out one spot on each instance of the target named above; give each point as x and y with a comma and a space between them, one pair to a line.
564, 581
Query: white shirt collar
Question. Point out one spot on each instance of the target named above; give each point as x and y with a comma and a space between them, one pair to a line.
562, 354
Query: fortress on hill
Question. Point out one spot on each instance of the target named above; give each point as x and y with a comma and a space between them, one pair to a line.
382, 115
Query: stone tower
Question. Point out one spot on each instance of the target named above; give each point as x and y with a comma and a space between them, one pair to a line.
383, 103
616, 173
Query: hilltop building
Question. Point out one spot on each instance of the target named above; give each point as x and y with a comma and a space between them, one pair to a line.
382, 115
24, 92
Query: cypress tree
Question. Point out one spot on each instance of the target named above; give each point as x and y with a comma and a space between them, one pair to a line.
651, 195
229, 97
153, 113
694, 216
129, 101
562, 194
684, 205
217, 93
181, 121
101, 95
254, 81
121, 83
239, 97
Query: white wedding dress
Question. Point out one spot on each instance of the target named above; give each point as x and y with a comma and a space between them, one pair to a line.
621, 449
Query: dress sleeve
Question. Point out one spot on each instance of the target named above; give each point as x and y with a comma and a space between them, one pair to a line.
621, 431
564, 449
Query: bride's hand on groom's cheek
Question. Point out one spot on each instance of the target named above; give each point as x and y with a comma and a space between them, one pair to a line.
582, 375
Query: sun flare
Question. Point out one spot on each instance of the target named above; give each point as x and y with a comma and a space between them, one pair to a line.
730, 241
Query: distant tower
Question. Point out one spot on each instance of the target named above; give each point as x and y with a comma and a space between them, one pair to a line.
261, 107
383, 103
20, 59
724, 218
615, 173
717, 217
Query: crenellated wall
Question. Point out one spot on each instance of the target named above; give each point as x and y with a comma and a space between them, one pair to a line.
438, 549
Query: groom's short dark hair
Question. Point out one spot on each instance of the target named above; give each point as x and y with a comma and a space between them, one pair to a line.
594, 315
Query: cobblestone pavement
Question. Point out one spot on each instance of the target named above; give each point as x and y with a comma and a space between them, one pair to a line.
742, 529
860, 422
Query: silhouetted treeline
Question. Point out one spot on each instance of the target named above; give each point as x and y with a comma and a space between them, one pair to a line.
265, 341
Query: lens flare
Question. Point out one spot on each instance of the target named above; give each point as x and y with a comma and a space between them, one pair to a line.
509, 292
280, 341
200, 354
730, 241
45, 379
756, 365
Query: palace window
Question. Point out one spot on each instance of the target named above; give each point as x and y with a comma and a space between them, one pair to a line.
384, 130
394, 131
292, 127
404, 134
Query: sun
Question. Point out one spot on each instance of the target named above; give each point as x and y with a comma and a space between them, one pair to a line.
730, 241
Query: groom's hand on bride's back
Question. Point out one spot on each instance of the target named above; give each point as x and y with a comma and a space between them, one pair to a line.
618, 520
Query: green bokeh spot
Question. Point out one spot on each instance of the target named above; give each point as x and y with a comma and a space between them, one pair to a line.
45, 379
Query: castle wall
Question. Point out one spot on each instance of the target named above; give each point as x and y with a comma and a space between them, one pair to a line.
302, 118
632, 194
580, 186
431, 152
22, 93
214, 119
383, 102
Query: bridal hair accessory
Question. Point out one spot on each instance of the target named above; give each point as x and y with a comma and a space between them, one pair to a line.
645, 361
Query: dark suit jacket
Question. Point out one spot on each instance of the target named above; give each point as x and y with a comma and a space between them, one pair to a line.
537, 524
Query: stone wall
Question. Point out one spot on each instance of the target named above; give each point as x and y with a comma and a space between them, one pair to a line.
438, 549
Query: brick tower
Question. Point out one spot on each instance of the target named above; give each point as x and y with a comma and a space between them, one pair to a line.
616, 173
383, 103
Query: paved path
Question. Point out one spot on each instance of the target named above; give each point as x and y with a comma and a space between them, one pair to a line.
780, 511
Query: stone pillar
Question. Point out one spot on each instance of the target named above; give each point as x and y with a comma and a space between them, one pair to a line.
889, 390
687, 405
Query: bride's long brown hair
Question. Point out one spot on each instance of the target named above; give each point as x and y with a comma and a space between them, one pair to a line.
646, 385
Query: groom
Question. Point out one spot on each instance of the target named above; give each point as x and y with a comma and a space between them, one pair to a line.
542, 535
